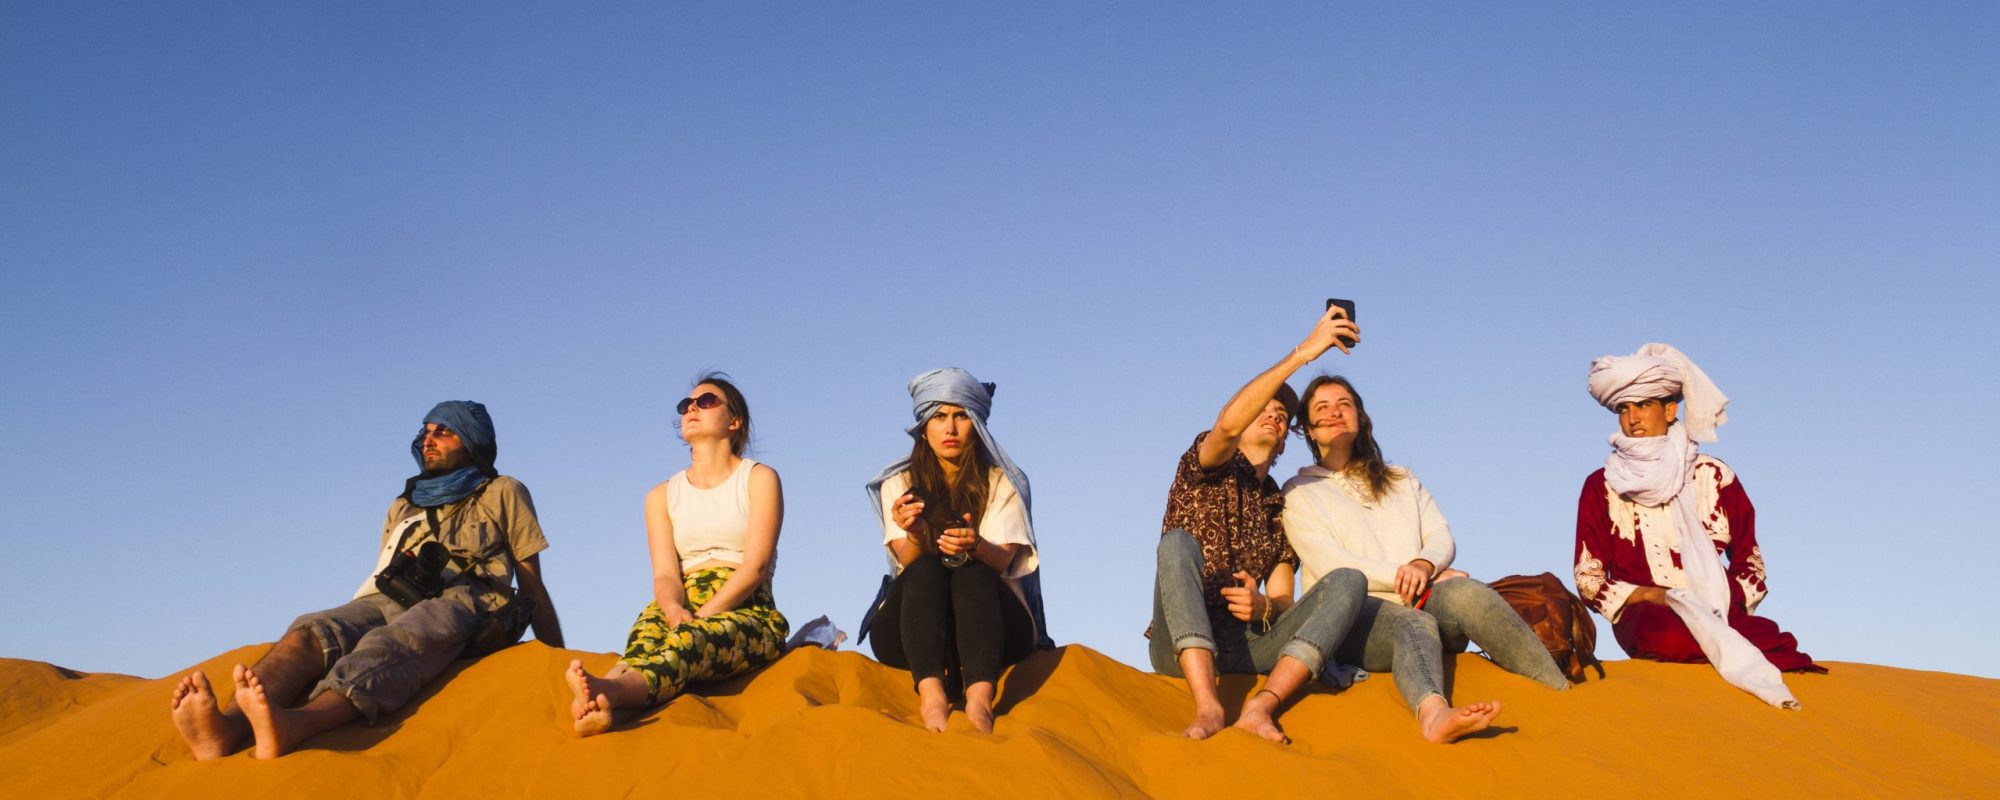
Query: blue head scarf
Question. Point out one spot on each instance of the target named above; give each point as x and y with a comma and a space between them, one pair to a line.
954, 386
475, 428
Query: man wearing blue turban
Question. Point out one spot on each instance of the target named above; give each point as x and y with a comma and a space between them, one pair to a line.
451, 548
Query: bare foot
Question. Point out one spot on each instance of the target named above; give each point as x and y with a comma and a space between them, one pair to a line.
1257, 719
979, 706
579, 687
1207, 721
207, 731
267, 723
589, 708
1446, 724
594, 717
932, 705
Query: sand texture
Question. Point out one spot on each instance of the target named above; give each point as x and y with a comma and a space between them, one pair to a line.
1074, 723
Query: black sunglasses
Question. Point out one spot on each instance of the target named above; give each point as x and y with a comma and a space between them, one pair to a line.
705, 400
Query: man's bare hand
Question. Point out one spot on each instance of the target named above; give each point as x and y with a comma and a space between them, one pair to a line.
1326, 335
1245, 602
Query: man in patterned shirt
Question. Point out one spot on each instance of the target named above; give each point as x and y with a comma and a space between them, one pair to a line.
1221, 540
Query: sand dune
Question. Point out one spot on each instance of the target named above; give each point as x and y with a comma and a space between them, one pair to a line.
1075, 723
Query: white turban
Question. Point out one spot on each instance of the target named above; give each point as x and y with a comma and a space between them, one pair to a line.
1659, 371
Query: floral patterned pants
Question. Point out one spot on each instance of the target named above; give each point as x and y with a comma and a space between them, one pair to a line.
736, 641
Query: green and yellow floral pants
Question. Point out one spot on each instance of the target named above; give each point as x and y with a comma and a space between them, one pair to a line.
736, 641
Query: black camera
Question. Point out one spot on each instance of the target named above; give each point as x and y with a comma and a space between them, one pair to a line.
414, 576
938, 518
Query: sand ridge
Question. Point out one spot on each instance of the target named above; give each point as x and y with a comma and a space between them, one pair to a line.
1074, 722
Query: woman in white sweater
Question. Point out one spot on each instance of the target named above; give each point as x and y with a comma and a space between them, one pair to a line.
1351, 509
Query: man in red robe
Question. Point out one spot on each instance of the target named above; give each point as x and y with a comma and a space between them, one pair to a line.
1656, 492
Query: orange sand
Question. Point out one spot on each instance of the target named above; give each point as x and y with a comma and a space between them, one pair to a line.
1075, 723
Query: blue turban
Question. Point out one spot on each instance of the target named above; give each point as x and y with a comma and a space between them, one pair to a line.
954, 386
475, 428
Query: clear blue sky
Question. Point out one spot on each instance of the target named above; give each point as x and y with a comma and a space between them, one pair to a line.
246, 247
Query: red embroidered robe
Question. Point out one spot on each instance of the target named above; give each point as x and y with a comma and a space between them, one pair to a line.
1622, 546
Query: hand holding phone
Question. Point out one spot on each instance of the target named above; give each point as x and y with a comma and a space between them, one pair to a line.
1347, 306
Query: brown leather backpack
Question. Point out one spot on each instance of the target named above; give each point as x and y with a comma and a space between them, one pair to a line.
1558, 616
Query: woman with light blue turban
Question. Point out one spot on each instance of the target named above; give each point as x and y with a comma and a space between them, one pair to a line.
964, 576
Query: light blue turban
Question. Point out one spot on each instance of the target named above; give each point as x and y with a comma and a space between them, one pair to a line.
956, 387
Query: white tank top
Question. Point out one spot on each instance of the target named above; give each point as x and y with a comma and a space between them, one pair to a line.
710, 524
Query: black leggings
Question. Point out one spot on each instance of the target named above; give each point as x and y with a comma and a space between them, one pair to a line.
931, 608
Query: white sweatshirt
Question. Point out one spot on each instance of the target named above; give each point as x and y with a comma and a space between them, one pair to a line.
1332, 523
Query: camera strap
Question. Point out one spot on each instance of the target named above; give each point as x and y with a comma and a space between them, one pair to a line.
467, 569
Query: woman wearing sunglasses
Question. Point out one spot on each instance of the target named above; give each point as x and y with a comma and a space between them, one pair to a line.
955, 521
712, 530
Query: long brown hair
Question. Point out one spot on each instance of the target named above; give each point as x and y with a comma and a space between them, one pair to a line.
965, 494
1367, 461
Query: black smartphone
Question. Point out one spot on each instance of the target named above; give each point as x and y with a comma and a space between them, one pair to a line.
1347, 306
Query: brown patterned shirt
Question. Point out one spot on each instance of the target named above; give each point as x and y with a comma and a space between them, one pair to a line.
1233, 512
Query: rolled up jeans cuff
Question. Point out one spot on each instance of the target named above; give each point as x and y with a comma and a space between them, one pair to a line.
1307, 653
1191, 641
370, 710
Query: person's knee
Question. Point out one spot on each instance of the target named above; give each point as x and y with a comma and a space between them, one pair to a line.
1179, 547
925, 571
303, 640
974, 579
1464, 590
1345, 579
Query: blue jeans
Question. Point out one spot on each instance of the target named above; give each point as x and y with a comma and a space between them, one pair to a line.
379, 655
1309, 631
1410, 644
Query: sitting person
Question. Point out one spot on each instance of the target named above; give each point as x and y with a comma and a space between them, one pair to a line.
965, 584
712, 532
1350, 509
1667, 602
474, 530
1221, 540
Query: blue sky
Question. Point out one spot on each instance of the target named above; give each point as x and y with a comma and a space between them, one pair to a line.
246, 249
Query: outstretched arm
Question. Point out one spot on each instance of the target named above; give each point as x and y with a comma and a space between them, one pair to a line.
1248, 403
